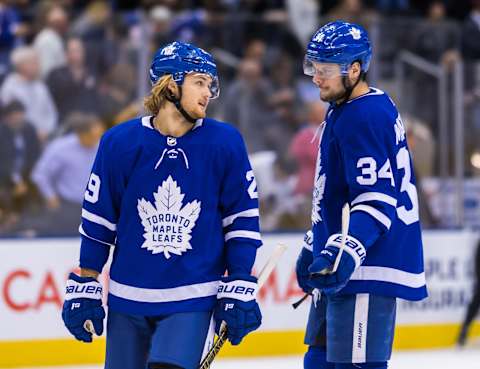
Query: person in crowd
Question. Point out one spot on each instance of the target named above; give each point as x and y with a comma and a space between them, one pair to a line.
61, 175
72, 86
19, 150
24, 84
471, 33
12, 33
304, 148
246, 104
49, 42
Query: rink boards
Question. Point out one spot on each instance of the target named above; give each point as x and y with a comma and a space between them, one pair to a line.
33, 273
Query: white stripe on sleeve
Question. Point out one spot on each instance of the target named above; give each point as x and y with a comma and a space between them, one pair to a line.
243, 234
244, 214
83, 233
378, 215
98, 220
375, 196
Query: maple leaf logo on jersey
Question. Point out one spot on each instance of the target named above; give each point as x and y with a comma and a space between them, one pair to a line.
167, 224
318, 189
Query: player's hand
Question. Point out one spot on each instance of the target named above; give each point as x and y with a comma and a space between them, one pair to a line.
321, 275
236, 305
83, 301
303, 262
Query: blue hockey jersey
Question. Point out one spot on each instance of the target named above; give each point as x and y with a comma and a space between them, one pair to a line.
364, 160
178, 211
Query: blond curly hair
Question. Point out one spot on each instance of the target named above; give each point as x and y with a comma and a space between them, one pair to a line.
157, 97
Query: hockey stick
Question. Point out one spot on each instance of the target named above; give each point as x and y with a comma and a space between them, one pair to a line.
345, 225
262, 278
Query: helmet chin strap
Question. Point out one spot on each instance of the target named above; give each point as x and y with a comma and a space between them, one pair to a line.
176, 101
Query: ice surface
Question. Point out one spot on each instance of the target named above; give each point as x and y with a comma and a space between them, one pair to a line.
468, 358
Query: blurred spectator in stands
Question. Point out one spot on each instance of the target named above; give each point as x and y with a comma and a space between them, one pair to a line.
437, 40
61, 175
471, 34
12, 31
304, 148
72, 86
94, 25
190, 25
471, 54
246, 104
116, 90
256, 49
352, 11
49, 41
303, 18
422, 146
471, 49
19, 149
160, 23
393, 7
284, 102
282, 208
24, 84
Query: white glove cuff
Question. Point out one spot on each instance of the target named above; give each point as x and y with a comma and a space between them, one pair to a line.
238, 290
90, 290
352, 246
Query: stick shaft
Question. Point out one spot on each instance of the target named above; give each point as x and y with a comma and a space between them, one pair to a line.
345, 225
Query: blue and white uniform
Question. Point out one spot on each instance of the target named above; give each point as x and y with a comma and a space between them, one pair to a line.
178, 211
364, 160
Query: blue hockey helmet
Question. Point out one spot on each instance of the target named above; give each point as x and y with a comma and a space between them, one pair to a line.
181, 58
339, 43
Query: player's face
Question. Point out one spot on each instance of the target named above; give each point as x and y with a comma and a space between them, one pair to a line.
328, 78
196, 94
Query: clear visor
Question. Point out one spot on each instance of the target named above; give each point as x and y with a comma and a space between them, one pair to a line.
213, 84
214, 88
323, 70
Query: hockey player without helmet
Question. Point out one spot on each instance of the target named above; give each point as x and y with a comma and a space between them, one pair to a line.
181, 58
339, 43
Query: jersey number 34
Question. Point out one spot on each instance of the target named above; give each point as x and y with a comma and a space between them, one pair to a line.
369, 177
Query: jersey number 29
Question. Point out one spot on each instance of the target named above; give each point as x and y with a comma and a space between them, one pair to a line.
93, 189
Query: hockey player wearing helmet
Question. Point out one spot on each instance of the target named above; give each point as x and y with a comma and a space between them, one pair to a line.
164, 193
356, 269
338, 57
185, 76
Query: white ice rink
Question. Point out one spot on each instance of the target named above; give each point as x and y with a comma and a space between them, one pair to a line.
468, 358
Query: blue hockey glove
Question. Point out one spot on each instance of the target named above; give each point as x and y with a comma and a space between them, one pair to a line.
303, 262
353, 255
236, 305
83, 301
